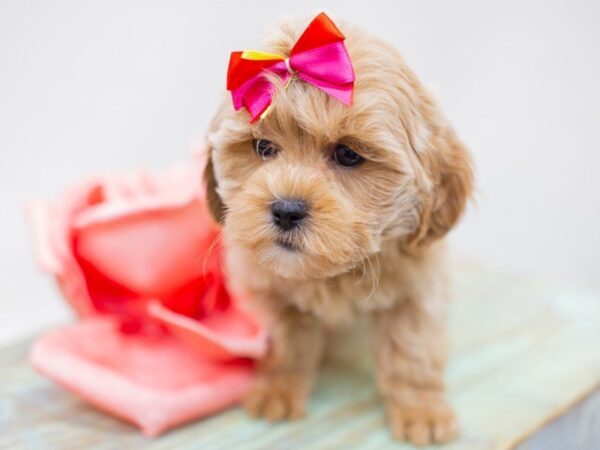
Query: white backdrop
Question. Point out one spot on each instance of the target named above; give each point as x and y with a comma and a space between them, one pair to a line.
92, 86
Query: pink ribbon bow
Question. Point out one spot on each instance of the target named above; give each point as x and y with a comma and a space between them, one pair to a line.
319, 58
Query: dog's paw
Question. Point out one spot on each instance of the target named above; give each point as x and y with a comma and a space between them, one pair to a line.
425, 425
276, 397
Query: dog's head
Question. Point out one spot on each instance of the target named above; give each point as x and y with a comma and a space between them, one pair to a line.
316, 186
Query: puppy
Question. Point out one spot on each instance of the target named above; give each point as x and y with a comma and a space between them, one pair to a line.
330, 212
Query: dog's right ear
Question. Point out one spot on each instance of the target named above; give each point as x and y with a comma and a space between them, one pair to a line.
214, 202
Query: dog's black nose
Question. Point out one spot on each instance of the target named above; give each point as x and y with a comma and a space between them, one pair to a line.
288, 213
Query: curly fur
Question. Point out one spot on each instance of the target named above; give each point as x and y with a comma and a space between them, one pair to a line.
372, 244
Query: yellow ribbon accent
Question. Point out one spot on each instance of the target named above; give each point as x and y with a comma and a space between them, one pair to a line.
257, 55
265, 112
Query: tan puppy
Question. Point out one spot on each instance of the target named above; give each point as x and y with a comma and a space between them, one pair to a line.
332, 211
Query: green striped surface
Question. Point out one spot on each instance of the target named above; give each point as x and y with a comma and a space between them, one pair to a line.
523, 352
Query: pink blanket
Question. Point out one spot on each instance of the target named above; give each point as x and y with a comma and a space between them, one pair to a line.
160, 340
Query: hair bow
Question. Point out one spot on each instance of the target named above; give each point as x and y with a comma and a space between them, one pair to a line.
319, 58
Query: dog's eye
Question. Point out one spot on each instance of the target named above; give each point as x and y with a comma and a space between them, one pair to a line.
264, 149
345, 156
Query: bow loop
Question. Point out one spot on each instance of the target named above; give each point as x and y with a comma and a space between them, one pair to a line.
319, 57
321, 31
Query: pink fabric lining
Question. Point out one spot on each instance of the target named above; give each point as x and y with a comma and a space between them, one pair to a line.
161, 339
151, 381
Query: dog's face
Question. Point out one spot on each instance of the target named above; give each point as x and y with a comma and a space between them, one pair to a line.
315, 187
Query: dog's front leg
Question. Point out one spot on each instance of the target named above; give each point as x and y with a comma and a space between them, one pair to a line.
410, 352
286, 373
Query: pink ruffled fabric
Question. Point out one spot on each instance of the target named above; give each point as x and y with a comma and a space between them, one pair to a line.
161, 341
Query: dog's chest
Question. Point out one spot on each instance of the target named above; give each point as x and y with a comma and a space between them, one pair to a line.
340, 301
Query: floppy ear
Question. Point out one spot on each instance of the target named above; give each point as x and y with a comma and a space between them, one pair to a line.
448, 166
215, 205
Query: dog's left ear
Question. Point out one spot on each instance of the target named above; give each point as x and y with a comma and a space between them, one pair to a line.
214, 202
447, 165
